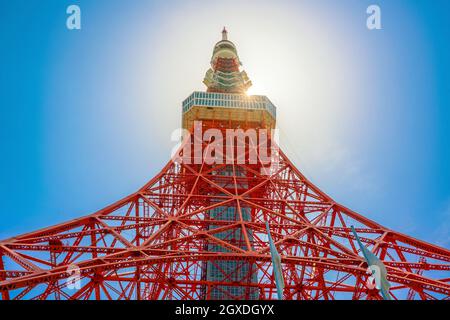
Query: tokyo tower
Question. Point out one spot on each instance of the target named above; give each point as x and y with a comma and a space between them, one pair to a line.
211, 224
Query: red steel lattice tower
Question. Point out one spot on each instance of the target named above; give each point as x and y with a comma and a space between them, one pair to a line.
197, 229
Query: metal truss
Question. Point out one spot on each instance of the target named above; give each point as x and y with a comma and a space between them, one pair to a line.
157, 242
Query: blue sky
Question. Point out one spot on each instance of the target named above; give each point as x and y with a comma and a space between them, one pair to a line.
87, 115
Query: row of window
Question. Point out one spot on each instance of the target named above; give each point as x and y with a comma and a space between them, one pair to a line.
226, 96
245, 104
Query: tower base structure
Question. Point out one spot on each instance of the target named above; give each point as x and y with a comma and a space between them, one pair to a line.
197, 231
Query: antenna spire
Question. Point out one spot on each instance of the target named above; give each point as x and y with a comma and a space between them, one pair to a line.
224, 34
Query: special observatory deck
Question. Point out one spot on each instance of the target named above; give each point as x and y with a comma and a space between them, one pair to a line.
241, 108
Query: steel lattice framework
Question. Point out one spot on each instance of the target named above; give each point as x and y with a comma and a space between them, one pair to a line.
197, 230
156, 243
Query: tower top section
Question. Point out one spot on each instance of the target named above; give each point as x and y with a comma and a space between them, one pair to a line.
226, 104
225, 74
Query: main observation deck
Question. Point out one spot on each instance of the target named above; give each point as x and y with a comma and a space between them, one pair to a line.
235, 109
